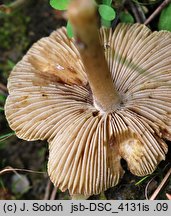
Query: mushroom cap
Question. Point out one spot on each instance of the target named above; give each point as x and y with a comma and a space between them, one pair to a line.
50, 99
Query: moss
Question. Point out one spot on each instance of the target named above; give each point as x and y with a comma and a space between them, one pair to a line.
13, 31
14, 40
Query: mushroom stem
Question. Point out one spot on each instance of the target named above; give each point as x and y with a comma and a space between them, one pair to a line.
83, 17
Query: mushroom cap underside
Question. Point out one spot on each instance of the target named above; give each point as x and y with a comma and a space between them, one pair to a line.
50, 99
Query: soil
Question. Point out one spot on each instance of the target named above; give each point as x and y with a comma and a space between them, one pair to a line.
20, 30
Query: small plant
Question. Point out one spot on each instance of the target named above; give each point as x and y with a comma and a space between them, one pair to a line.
106, 12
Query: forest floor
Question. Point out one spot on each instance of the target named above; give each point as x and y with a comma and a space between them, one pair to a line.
18, 31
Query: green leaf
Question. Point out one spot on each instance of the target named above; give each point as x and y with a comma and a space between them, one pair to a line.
69, 30
165, 19
106, 12
59, 4
1, 109
126, 17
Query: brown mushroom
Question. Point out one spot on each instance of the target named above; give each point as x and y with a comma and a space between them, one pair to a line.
93, 116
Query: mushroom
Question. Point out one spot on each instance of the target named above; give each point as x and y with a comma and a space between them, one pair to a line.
95, 101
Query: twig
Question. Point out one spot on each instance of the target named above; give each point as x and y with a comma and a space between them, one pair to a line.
157, 11
146, 188
53, 194
11, 169
118, 11
14, 5
154, 195
6, 136
168, 196
18, 3
137, 11
47, 191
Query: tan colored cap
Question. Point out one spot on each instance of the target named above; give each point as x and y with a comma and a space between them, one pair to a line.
50, 99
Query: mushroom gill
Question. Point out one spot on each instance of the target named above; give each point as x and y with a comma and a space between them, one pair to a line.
50, 99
